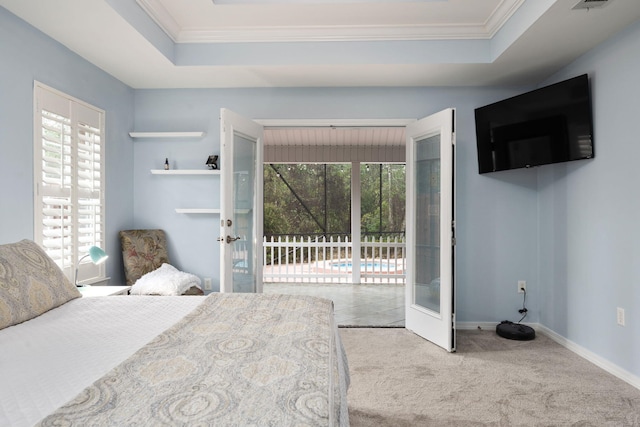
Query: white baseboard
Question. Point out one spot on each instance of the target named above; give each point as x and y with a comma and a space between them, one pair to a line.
599, 361
487, 326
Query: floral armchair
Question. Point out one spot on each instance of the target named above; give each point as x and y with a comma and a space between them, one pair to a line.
144, 251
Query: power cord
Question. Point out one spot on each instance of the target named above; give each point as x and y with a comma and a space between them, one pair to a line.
523, 310
517, 331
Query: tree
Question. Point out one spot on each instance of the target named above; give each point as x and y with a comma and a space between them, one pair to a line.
316, 199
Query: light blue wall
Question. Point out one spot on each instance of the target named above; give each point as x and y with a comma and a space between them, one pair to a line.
28, 55
497, 215
589, 210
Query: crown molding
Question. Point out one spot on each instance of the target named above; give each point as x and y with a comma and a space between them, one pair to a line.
334, 33
501, 15
161, 16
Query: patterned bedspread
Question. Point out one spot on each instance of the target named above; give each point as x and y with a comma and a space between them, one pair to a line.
236, 360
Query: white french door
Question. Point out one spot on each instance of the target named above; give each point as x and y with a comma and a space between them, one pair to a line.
241, 203
430, 304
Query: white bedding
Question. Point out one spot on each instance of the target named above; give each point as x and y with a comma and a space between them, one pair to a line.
42, 366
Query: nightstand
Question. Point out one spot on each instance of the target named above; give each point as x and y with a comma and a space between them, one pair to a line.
103, 291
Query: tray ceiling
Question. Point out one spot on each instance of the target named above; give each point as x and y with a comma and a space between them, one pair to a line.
326, 43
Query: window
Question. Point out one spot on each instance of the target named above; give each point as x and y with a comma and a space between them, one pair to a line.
68, 180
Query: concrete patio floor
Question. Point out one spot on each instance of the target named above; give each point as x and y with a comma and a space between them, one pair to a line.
354, 305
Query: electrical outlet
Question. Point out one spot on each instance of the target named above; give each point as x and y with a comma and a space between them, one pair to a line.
620, 316
522, 286
207, 283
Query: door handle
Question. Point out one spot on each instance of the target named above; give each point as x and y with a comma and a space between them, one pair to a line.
229, 239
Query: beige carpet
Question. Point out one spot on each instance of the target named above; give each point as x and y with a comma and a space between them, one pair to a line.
399, 379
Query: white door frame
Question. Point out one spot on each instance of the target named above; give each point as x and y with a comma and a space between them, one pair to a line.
355, 178
292, 123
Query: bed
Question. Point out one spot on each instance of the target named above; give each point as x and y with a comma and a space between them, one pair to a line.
222, 359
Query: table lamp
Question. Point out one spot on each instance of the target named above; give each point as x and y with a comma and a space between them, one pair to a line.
98, 256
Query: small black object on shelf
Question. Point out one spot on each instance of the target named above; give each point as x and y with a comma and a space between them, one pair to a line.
212, 162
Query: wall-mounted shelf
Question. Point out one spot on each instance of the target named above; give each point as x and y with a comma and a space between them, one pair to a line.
166, 134
186, 172
197, 211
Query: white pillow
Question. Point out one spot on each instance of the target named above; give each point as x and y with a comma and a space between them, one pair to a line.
31, 283
165, 280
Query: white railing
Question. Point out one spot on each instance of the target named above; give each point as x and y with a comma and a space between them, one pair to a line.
324, 259
383, 260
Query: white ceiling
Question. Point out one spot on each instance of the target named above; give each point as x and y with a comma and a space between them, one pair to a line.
324, 43
381, 136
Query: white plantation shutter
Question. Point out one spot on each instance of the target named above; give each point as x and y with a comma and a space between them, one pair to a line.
55, 187
89, 194
69, 180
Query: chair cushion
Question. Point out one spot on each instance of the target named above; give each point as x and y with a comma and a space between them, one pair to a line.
143, 251
31, 283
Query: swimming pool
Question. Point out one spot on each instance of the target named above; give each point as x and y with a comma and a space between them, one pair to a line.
369, 266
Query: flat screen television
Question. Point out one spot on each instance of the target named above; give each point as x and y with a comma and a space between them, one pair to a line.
552, 124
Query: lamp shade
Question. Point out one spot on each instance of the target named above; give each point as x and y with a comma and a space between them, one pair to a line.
97, 255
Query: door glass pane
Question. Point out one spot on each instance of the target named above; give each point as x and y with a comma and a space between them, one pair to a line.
244, 256
426, 288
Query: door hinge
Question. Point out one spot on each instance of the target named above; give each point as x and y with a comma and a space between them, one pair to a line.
453, 241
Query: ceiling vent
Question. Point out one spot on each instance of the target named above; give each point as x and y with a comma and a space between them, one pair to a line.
591, 4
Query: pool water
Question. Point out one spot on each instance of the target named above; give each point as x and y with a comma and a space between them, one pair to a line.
365, 266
